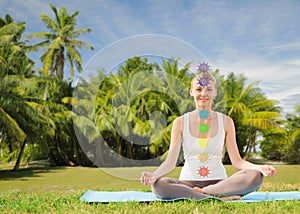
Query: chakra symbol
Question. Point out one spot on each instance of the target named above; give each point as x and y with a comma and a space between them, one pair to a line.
203, 171
203, 67
203, 128
203, 114
203, 142
203, 81
203, 157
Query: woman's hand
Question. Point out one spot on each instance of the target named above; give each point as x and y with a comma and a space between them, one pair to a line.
267, 170
148, 178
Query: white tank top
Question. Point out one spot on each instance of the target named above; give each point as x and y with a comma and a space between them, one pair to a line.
194, 168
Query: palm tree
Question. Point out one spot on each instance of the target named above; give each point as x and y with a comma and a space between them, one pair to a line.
28, 120
294, 134
61, 42
10, 129
174, 100
127, 106
33, 120
20, 115
284, 144
13, 58
250, 110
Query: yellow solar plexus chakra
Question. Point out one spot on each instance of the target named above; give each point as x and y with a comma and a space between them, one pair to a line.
203, 157
203, 142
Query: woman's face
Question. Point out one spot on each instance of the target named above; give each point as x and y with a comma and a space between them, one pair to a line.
203, 95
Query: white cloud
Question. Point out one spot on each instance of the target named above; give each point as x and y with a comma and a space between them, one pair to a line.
277, 80
290, 102
292, 46
293, 62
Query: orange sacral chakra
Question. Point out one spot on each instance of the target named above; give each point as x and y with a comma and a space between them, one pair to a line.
203, 171
203, 157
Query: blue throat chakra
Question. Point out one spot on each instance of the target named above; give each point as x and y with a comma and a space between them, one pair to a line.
203, 114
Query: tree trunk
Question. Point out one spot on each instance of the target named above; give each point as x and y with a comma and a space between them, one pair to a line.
45, 92
119, 148
118, 144
64, 158
76, 152
60, 64
10, 152
250, 145
254, 148
99, 152
58, 156
129, 150
17, 165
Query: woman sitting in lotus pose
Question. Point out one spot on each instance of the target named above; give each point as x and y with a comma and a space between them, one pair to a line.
202, 134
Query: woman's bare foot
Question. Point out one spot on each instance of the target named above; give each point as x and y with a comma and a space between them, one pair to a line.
224, 198
231, 198
197, 189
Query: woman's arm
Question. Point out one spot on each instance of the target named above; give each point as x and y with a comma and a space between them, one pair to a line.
234, 154
169, 164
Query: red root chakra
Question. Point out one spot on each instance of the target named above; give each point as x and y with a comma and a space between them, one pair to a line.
203, 171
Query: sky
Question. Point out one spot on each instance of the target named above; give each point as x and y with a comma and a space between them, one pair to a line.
260, 39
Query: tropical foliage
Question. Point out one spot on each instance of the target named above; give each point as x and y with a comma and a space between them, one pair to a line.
134, 110
284, 144
252, 112
122, 118
13, 58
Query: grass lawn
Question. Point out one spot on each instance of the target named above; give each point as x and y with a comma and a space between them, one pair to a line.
57, 190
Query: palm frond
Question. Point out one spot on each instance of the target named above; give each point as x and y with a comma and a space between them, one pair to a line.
86, 127
263, 104
11, 127
76, 33
12, 29
266, 115
81, 44
48, 61
6, 40
50, 23
240, 109
259, 123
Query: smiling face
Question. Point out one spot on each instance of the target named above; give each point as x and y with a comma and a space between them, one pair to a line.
203, 93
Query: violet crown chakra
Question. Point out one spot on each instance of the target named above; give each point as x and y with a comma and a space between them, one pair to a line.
203, 67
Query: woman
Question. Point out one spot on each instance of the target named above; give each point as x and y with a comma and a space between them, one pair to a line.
202, 134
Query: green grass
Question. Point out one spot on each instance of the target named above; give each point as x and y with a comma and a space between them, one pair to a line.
57, 190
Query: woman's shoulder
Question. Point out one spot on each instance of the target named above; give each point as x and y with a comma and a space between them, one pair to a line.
177, 124
227, 119
224, 115
178, 119
184, 115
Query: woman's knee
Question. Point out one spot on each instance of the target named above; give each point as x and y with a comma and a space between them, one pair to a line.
255, 176
159, 184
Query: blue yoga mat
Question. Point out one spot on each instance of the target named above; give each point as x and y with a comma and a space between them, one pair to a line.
127, 196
